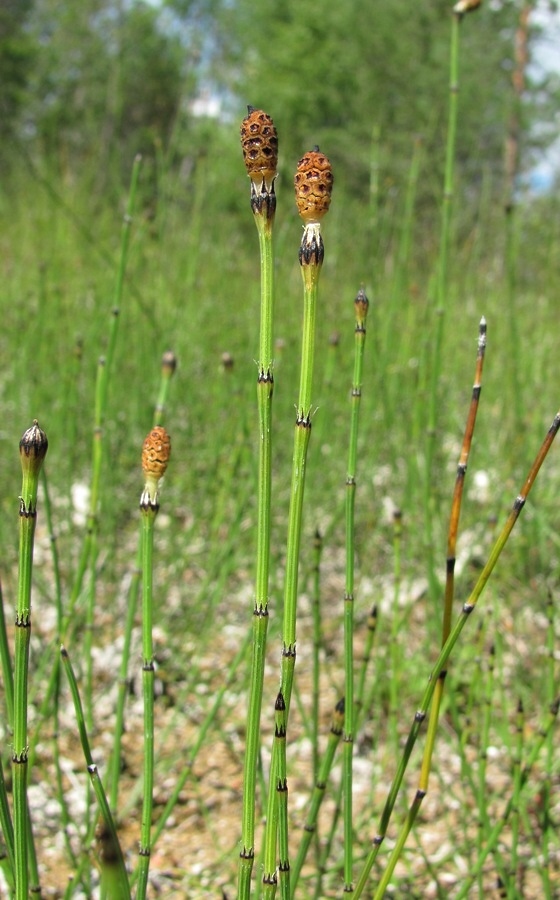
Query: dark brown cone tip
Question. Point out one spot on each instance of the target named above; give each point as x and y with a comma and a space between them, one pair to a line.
169, 362
313, 185
33, 446
259, 142
361, 305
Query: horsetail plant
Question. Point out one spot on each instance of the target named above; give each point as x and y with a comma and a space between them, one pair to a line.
447, 610
155, 458
33, 449
439, 667
313, 188
259, 142
104, 372
442, 280
361, 304
168, 367
319, 788
114, 879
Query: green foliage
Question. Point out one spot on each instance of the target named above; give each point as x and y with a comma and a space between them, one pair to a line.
15, 54
107, 82
341, 75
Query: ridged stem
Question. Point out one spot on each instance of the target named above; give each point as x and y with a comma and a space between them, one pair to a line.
104, 373
167, 371
541, 739
113, 872
33, 447
442, 286
264, 219
361, 306
468, 608
148, 510
321, 778
311, 257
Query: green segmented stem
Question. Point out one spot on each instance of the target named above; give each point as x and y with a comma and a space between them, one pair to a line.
277, 813
361, 307
439, 667
113, 871
318, 793
33, 447
441, 296
311, 270
318, 551
264, 220
311, 258
282, 800
104, 373
167, 371
149, 509
493, 838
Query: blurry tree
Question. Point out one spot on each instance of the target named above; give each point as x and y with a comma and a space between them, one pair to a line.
108, 80
16, 50
339, 74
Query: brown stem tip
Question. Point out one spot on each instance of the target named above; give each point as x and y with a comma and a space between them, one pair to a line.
259, 142
313, 184
168, 363
361, 305
465, 6
33, 448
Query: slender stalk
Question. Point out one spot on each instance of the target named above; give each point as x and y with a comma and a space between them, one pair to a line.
318, 793
361, 709
33, 448
168, 366
103, 379
6, 824
361, 304
316, 609
447, 610
155, 457
481, 794
284, 876
441, 297
468, 608
277, 813
516, 797
260, 150
541, 739
114, 877
548, 831
512, 156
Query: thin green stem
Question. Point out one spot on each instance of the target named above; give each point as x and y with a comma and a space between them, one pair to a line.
493, 838
104, 373
311, 258
149, 511
442, 286
318, 793
264, 219
439, 667
114, 877
361, 306
282, 800
168, 365
33, 447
